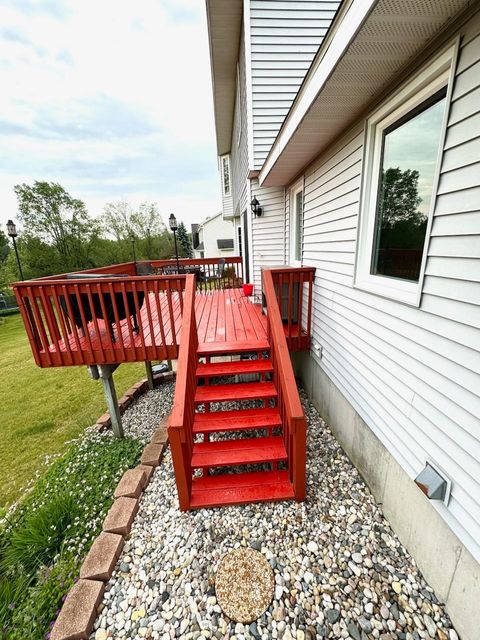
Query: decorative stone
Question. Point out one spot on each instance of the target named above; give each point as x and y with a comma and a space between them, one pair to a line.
152, 454
120, 517
397, 587
244, 584
131, 484
101, 559
77, 616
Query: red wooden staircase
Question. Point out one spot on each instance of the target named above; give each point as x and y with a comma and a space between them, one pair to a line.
251, 451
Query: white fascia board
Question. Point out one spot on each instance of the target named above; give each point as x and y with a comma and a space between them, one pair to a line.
334, 49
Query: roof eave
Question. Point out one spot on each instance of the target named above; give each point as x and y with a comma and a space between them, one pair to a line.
224, 22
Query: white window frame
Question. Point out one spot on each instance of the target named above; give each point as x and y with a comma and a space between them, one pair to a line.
438, 74
224, 192
294, 191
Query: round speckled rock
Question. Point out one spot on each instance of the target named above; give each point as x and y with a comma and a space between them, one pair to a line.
244, 584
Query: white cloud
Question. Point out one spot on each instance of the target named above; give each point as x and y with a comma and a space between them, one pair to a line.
111, 99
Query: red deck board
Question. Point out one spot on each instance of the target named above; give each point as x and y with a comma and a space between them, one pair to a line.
237, 452
223, 348
240, 391
234, 367
212, 422
240, 488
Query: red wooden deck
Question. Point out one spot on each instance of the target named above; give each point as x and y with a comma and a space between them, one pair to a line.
224, 318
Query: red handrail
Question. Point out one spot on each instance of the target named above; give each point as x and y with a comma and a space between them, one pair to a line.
180, 428
289, 404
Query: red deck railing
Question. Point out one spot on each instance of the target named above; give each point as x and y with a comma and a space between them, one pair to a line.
180, 428
211, 273
102, 320
294, 290
128, 312
289, 405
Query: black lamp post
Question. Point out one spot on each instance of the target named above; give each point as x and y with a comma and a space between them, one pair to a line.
132, 240
12, 232
172, 221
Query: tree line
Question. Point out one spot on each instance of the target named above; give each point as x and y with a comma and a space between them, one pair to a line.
58, 235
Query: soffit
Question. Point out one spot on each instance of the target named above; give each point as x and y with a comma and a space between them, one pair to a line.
224, 19
391, 35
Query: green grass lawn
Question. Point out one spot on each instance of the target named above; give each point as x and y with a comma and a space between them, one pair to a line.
42, 409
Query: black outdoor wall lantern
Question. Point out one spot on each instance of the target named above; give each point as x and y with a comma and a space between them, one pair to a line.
256, 208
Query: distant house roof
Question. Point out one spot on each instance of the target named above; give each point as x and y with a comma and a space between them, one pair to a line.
226, 243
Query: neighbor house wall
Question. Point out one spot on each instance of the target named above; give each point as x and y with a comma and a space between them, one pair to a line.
407, 378
214, 229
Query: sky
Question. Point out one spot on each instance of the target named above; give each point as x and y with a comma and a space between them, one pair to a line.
110, 98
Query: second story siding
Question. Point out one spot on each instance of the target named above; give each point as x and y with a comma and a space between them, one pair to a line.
284, 37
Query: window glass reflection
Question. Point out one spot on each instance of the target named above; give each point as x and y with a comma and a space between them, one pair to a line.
409, 156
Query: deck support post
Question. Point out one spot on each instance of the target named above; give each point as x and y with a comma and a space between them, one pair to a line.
149, 372
105, 372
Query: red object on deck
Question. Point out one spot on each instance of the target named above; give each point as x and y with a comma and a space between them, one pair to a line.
248, 290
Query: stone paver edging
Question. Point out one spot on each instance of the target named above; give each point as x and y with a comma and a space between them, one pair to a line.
77, 616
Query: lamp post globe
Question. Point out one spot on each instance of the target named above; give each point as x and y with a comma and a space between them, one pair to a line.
11, 229
172, 221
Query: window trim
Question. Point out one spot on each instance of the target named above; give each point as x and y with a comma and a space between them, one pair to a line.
436, 75
296, 188
227, 158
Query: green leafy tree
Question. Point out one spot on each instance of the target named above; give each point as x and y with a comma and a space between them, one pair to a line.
145, 225
184, 241
4, 246
52, 216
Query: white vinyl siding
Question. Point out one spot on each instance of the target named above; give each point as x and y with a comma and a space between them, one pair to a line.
412, 374
285, 36
268, 231
239, 148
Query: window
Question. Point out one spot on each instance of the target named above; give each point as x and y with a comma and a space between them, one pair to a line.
296, 224
403, 146
240, 250
225, 169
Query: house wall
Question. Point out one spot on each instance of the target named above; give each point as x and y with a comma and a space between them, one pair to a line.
268, 231
285, 36
212, 230
239, 146
400, 384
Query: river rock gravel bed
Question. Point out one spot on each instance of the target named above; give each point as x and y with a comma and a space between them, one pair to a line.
340, 571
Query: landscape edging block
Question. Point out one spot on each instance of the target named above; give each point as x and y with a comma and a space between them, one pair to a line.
77, 616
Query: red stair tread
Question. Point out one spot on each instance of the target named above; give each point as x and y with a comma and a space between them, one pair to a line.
210, 422
216, 348
236, 452
240, 391
239, 488
233, 368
